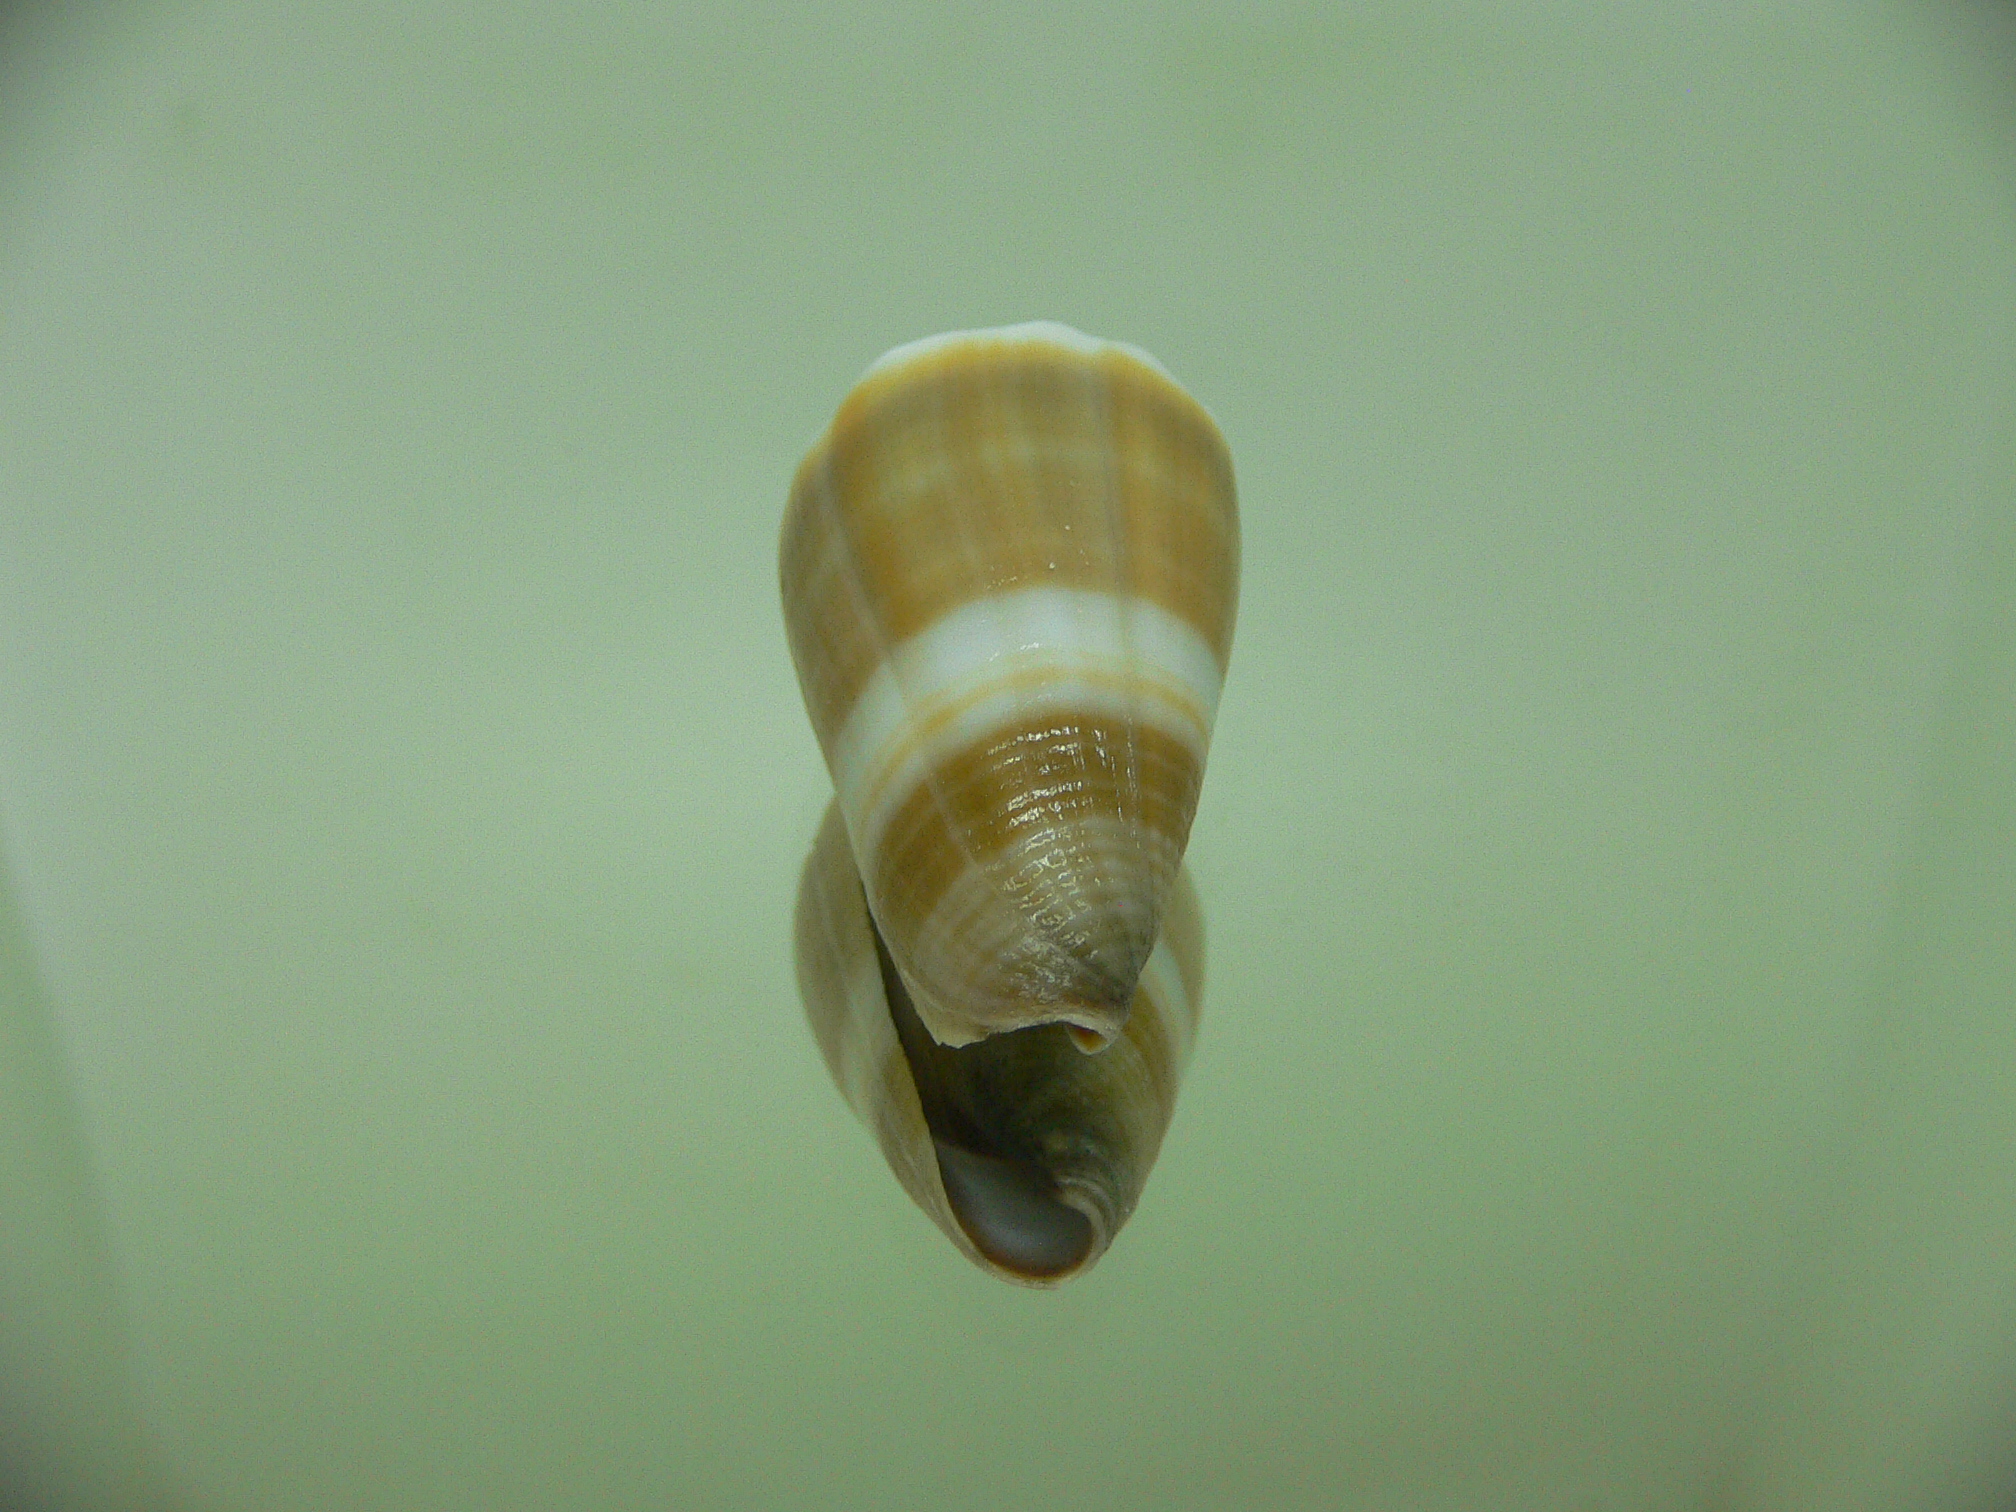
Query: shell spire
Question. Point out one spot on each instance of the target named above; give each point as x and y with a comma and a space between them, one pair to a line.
1010, 572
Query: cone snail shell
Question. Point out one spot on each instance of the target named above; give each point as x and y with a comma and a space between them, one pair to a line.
1010, 571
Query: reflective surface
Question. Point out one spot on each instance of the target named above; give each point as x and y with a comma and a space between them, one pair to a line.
1606, 847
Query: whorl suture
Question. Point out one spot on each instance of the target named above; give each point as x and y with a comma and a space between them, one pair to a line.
1010, 571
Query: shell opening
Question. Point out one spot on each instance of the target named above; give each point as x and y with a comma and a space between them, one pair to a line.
1014, 1213
1003, 1137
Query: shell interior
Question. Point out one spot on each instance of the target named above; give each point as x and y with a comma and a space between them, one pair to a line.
1016, 1141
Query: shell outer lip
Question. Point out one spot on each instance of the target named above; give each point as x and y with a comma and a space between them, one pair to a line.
1092, 1026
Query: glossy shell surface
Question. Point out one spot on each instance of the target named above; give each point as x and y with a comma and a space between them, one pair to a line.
1010, 572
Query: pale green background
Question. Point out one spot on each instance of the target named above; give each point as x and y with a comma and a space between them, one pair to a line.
1607, 1096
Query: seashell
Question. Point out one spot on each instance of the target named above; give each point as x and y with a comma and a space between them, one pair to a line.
1029, 1153
1010, 570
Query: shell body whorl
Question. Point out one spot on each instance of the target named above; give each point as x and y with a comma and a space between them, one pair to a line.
1010, 574
1028, 1153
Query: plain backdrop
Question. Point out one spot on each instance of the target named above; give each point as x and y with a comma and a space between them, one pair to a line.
1603, 1096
